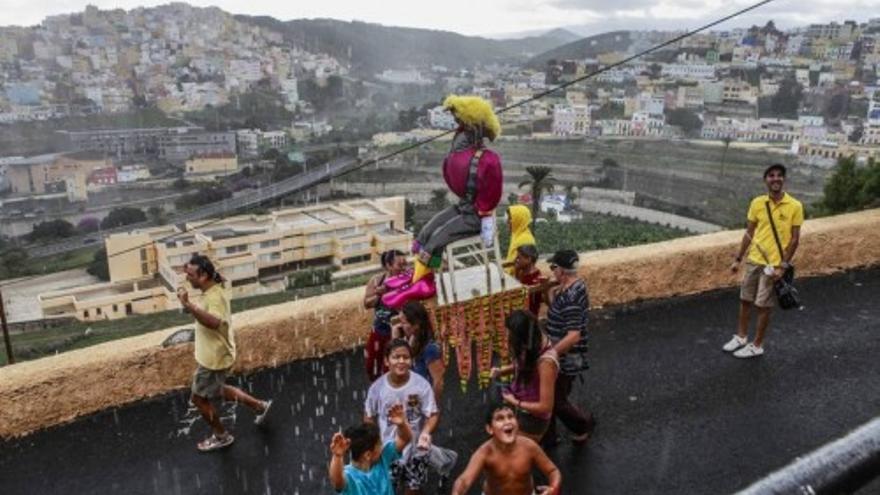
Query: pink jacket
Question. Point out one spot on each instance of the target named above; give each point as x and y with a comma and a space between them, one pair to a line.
489, 177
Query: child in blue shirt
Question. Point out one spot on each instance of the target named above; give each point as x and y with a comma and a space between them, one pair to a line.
369, 472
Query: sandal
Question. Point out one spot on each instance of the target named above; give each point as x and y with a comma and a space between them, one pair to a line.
581, 439
214, 442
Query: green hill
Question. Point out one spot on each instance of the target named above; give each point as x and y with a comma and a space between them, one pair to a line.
371, 48
584, 48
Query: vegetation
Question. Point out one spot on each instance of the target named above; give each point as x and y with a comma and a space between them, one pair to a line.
540, 181
125, 215
687, 120
594, 231
51, 231
787, 101
15, 262
851, 188
99, 266
88, 225
372, 48
260, 107
609, 110
204, 195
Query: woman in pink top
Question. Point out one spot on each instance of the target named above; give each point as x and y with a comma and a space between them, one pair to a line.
535, 366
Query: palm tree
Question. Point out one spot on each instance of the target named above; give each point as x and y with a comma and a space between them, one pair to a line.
540, 180
726, 140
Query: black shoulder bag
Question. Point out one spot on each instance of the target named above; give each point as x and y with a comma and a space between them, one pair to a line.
786, 294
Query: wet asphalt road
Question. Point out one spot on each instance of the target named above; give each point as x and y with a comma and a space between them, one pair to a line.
676, 415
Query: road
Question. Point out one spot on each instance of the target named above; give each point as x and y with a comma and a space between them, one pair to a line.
675, 414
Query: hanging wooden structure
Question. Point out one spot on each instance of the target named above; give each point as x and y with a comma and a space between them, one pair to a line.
474, 296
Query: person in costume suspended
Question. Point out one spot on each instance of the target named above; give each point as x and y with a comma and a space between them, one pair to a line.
473, 173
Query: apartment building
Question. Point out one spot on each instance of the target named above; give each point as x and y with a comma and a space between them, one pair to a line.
571, 120
120, 142
52, 173
255, 253
179, 147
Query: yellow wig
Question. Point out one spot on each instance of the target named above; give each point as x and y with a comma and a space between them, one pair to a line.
474, 111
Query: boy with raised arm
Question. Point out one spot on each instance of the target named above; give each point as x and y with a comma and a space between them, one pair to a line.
369, 471
507, 460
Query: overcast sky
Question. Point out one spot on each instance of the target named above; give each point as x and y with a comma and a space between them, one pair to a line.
495, 17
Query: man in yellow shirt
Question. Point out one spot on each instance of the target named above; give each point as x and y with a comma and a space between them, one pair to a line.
765, 263
214, 351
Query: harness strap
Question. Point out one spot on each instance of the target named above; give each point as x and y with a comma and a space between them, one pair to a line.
470, 192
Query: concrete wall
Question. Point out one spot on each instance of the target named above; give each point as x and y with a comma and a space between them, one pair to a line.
57, 389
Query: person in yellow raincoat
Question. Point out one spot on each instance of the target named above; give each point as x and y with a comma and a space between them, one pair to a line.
519, 220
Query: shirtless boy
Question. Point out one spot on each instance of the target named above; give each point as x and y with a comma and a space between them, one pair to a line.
507, 459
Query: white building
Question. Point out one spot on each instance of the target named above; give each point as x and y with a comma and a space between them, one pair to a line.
132, 173
553, 202
247, 142
538, 80
571, 120
650, 103
440, 118
811, 120
273, 139
290, 92
405, 76
688, 71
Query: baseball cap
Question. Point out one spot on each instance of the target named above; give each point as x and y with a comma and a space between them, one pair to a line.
776, 166
566, 259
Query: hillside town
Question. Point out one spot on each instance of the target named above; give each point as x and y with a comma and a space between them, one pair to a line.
811, 89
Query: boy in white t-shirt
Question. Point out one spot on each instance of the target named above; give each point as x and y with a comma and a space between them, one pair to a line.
401, 386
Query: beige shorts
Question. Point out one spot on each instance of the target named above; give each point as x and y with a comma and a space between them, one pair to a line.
757, 288
208, 383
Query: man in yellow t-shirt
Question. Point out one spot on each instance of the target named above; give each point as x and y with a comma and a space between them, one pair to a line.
765, 263
214, 351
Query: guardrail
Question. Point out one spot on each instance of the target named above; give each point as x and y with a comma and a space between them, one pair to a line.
842, 466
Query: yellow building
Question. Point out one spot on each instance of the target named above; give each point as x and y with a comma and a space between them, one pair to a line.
610, 58
208, 167
255, 253
44, 174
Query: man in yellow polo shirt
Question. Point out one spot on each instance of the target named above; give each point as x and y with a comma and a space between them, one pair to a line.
765, 263
214, 351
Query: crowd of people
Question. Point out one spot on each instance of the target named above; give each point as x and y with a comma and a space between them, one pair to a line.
392, 450
534, 389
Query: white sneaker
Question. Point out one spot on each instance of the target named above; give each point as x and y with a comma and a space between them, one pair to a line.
750, 350
735, 343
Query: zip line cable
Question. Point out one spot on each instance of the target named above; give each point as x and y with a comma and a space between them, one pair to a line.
431, 139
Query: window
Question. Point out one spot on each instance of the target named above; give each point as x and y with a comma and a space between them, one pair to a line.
86, 313
236, 249
115, 308
98, 311
270, 244
128, 310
